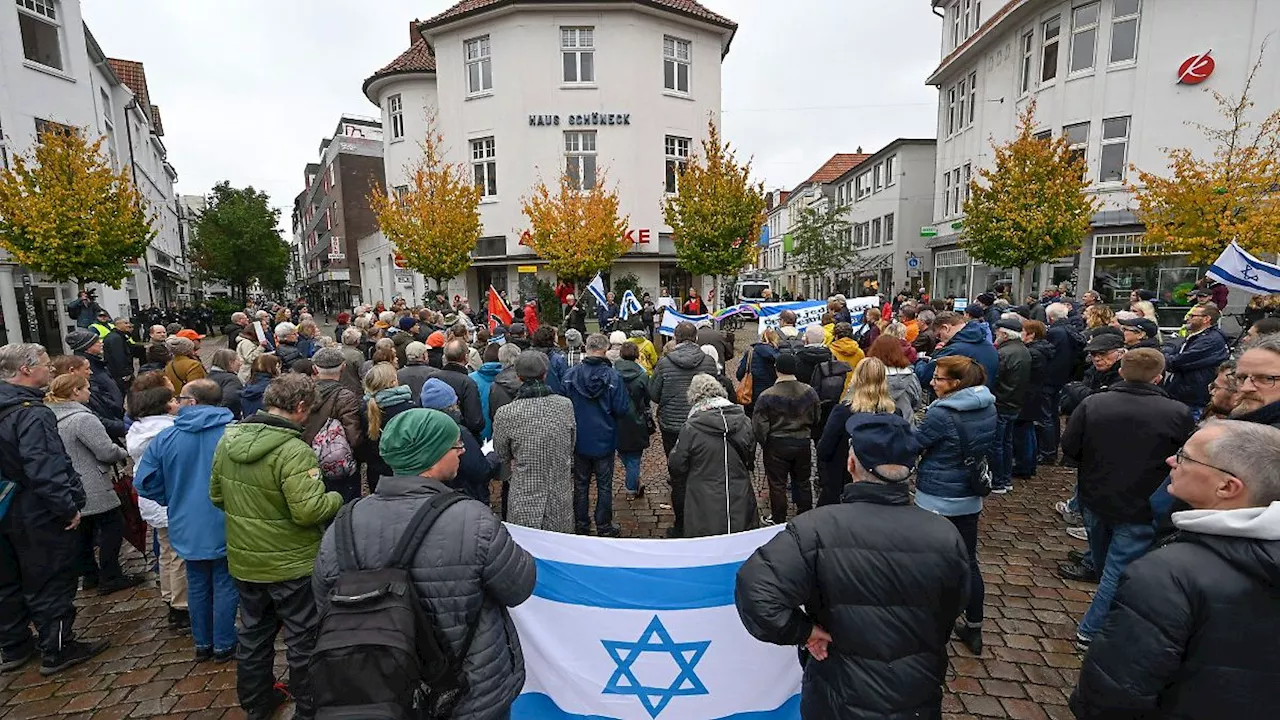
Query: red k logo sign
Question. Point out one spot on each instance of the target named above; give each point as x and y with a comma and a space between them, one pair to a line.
1196, 69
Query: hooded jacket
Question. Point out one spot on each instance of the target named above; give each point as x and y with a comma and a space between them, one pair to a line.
904, 388
251, 396
810, 357
714, 456
599, 398
174, 472
466, 564
337, 403
885, 578
33, 457
1013, 377
941, 471
847, 351
633, 427
105, 399
267, 481
1068, 352
505, 386
789, 410
1192, 628
483, 377
1195, 365
670, 384
970, 341
247, 349
231, 387
92, 453
141, 433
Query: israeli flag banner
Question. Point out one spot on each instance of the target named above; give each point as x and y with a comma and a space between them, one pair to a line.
646, 630
630, 305
596, 286
1238, 269
671, 318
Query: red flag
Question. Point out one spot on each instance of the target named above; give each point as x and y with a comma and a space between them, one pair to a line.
498, 310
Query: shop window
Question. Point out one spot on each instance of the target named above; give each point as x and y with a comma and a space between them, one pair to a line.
479, 65
577, 49
41, 32
1124, 30
1051, 31
677, 55
1115, 148
1084, 36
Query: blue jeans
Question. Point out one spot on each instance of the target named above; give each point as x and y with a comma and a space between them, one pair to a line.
212, 600
631, 469
1024, 448
1047, 427
1001, 457
1114, 545
583, 468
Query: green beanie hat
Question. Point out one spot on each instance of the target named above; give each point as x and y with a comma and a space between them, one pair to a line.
416, 439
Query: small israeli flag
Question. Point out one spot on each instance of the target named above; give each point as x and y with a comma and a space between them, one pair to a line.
597, 289
630, 305
1242, 271
646, 630
671, 318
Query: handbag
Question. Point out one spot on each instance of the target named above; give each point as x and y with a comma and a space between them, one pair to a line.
979, 470
744, 387
135, 528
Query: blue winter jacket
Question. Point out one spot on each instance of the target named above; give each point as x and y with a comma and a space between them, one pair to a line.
971, 342
599, 397
251, 396
763, 374
175, 471
941, 471
484, 376
1194, 366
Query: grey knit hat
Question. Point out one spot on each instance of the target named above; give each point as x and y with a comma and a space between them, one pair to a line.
81, 340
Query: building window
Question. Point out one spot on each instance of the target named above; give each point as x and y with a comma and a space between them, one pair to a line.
1084, 36
580, 158
399, 192
863, 183
1028, 53
676, 56
877, 178
1049, 53
38, 22
1077, 139
1115, 146
1043, 135
1124, 30
875, 233
395, 113
1126, 245
578, 50
962, 98
973, 96
888, 229
956, 21
955, 210
951, 111
857, 236
479, 65
677, 150
889, 170
968, 176
109, 126
484, 166
946, 194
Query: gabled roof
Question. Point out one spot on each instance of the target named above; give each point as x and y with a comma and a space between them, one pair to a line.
134, 77
690, 8
839, 164
974, 39
419, 58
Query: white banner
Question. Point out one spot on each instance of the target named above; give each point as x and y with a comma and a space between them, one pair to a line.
809, 312
646, 629
671, 318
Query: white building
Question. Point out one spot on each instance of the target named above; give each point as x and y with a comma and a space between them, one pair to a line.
1111, 76
53, 71
523, 91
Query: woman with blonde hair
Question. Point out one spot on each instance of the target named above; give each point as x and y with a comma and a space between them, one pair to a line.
1096, 316
867, 392
307, 332
384, 398
93, 455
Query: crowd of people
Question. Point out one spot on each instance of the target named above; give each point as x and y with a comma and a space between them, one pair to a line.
885, 429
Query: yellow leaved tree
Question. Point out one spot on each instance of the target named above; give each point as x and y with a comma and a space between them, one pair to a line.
1206, 202
1033, 206
67, 213
577, 231
435, 223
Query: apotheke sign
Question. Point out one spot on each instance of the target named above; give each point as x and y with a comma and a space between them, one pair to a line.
582, 120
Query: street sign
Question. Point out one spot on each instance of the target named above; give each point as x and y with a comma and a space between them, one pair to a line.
928, 231
913, 262
526, 268
957, 225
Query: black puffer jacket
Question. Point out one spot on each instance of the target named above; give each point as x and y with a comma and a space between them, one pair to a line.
467, 562
231, 387
633, 428
1192, 628
669, 385
808, 358
885, 578
1013, 379
105, 399
32, 455
1041, 355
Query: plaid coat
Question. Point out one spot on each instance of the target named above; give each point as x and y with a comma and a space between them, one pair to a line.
537, 436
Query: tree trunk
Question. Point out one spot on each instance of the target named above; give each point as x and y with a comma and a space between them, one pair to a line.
1024, 283
715, 297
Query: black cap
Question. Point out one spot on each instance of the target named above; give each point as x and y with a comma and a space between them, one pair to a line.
882, 439
1104, 342
1143, 324
1011, 323
787, 363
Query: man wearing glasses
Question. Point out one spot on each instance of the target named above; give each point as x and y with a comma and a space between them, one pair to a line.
1192, 629
1258, 381
1193, 366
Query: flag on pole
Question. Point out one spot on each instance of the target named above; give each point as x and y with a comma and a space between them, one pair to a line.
646, 630
630, 305
598, 290
498, 310
1238, 269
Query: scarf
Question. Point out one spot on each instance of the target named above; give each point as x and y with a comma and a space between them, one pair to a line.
710, 403
533, 389
391, 396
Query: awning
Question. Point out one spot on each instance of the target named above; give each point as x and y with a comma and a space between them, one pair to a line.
874, 263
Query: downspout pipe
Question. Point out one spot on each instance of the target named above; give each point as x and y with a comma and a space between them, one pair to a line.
133, 170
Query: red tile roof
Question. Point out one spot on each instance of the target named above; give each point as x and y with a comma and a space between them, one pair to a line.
134, 77
691, 8
419, 58
839, 164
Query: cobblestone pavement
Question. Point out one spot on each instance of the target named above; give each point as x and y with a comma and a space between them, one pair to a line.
1026, 671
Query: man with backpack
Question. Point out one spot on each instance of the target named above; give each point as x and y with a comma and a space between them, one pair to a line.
267, 481
463, 571
336, 427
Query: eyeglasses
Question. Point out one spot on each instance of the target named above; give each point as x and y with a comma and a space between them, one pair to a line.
185, 398
1259, 381
940, 378
459, 447
1181, 456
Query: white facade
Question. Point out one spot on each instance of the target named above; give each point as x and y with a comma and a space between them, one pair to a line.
554, 88
1106, 73
52, 70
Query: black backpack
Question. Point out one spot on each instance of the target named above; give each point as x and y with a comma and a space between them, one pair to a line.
379, 654
828, 381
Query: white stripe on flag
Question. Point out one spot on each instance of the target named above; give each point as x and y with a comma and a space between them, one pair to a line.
1238, 269
597, 289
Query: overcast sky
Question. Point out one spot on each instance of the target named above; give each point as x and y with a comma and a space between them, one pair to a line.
249, 88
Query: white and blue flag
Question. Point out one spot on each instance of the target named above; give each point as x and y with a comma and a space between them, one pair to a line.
1238, 269
596, 286
671, 318
646, 630
630, 305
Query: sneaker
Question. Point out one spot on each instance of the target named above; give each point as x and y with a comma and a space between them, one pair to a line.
204, 654
89, 584
14, 661
1079, 533
74, 653
612, 531
179, 620
635, 494
124, 582
1077, 572
279, 696
1001, 490
1076, 556
768, 520
970, 637
1082, 642
221, 656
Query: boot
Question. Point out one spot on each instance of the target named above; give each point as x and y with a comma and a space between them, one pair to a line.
73, 653
970, 636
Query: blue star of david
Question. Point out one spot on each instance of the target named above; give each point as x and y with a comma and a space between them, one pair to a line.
655, 699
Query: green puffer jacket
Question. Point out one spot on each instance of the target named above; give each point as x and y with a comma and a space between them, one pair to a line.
266, 480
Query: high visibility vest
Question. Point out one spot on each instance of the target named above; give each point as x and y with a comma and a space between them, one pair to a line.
103, 330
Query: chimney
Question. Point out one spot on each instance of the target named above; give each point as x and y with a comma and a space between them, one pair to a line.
414, 36
859, 149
